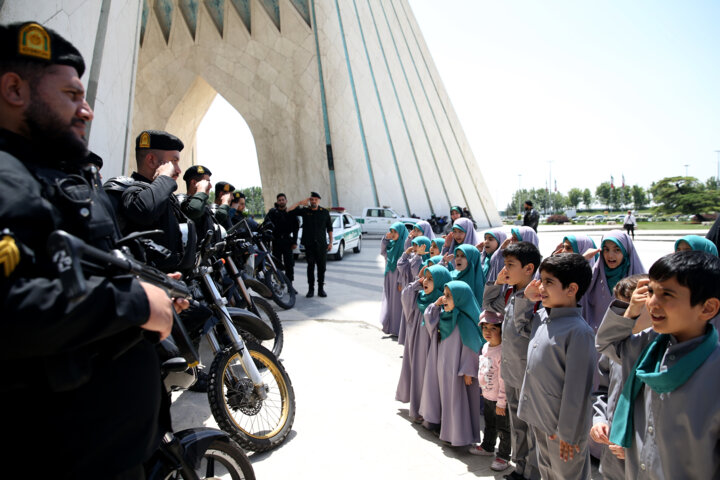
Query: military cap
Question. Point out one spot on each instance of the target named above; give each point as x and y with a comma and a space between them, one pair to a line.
158, 140
94, 159
196, 171
31, 42
237, 196
222, 187
315, 195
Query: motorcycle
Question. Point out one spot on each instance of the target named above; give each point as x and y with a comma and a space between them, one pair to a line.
250, 394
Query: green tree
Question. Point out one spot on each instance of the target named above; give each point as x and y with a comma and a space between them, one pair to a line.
574, 197
587, 198
639, 197
253, 200
684, 195
603, 193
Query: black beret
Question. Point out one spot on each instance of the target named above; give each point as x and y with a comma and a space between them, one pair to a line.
95, 159
223, 187
315, 194
237, 196
195, 171
158, 140
30, 41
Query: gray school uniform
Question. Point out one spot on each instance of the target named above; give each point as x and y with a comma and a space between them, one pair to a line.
409, 266
391, 309
430, 408
604, 401
513, 369
555, 395
417, 344
676, 435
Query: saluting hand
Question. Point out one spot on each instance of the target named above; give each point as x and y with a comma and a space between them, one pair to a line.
167, 169
637, 301
204, 186
532, 291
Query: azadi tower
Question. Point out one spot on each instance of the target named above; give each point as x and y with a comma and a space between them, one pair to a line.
341, 96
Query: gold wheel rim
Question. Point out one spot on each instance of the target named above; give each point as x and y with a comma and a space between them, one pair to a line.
272, 372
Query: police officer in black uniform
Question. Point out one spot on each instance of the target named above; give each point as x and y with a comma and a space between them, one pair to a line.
81, 391
145, 200
221, 206
285, 235
195, 204
316, 222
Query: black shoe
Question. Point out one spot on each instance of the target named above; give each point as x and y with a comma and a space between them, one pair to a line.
292, 289
321, 292
311, 293
201, 384
513, 476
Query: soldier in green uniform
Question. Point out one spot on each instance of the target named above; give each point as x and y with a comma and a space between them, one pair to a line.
316, 221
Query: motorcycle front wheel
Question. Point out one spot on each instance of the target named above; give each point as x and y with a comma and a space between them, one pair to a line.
226, 461
254, 423
279, 285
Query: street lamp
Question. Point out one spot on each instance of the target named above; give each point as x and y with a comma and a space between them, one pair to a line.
518, 194
686, 166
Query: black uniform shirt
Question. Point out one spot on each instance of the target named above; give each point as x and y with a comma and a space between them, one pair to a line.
315, 224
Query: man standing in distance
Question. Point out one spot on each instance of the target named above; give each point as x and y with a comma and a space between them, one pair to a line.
532, 217
316, 221
285, 233
82, 372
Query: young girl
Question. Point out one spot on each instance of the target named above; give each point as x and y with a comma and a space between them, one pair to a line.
421, 228
695, 242
497, 421
462, 233
578, 244
618, 260
455, 316
469, 270
416, 297
436, 246
491, 263
391, 247
409, 266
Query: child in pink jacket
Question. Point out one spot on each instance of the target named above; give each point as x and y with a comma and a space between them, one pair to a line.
497, 422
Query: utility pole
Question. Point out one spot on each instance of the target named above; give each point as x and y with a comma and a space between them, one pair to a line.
717, 178
518, 194
686, 167
550, 186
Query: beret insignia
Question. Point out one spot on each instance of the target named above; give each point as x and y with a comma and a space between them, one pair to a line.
34, 41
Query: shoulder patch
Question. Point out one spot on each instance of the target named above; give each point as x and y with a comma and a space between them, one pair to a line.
144, 140
34, 41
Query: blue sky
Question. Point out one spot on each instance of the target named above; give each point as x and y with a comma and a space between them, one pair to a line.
597, 88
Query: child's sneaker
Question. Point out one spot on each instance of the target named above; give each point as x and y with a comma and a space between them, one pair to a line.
479, 450
499, 464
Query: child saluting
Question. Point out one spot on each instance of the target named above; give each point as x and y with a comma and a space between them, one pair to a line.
668, 414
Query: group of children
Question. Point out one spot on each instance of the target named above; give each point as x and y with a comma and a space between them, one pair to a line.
577, 354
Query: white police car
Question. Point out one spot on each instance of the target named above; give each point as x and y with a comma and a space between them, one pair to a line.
346, 234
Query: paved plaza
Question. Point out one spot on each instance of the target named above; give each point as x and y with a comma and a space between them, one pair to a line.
345, 370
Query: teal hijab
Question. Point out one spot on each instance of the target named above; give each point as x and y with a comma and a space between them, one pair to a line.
421, 240
616, 274
699, 244
436, 261
464, 316
439, 242
395, 248
473, 274
647, 371
440, 276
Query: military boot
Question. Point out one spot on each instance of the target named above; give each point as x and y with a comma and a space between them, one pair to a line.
321, 291
311, 292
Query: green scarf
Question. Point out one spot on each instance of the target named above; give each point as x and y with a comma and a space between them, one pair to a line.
614, 275
517, 233
697, 243
439, 243
647, 370
464, 316
417, 241
395, 248
440, 276
474, 275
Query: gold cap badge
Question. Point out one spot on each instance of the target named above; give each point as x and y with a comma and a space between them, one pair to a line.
144, 140
200, 170
226, 188
34, 41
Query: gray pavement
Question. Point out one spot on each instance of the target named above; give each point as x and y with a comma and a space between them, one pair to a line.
344, 371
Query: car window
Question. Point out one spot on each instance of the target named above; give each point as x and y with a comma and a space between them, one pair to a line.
336, 221
387, 213
349, 220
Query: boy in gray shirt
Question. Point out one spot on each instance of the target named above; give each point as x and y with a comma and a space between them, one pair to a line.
555, 397
668, 414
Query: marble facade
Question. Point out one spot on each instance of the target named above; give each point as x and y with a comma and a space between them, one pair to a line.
352, 108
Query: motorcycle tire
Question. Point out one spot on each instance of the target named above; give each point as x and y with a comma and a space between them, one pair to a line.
255, 424
279, 285
266, 312
225, 460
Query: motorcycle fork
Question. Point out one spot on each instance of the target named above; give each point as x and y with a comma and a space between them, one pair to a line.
246, 359
235, 273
